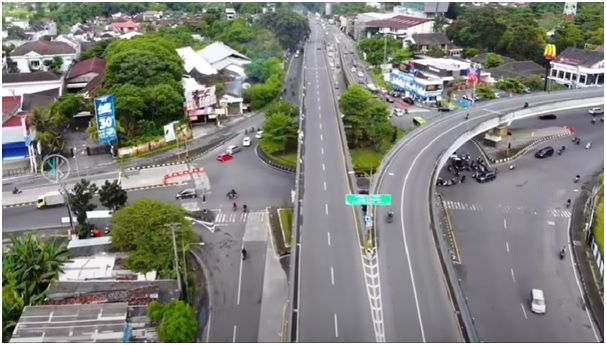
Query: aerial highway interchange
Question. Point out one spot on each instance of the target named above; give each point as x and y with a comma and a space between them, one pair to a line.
504, 254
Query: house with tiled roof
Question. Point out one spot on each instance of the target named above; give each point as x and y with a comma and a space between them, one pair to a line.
578, 68
32, 56
399, 26
422, 43
84, 72
224, 58
124, 26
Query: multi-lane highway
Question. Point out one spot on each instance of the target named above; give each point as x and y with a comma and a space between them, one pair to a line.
509, 233
411, 276
333, 302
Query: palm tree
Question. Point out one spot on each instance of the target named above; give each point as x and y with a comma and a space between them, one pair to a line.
45, 128
33, 265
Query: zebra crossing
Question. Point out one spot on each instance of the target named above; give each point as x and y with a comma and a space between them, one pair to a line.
227, 217
507, 209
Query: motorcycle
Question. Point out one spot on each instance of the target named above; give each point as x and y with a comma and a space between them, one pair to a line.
243, 254
232, 196
525, 105
562, 254
568, 204
511, 167
389, 218
559, 152
576, 179
588, 146
17, 191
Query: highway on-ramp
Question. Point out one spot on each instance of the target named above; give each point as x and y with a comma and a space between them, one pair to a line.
333, 302
412, 278
509, 233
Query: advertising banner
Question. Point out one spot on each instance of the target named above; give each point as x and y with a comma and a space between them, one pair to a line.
106, 119
201, 98
473, 75
169, 132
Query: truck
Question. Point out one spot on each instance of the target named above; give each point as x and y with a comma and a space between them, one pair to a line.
50, 199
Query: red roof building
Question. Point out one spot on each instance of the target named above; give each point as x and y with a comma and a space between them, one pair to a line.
10, 105
125, 27
84, 72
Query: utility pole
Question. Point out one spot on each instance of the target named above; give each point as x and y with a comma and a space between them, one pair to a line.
173, 228
65, 194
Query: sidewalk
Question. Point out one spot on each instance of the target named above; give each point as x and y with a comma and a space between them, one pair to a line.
273, 302
148, 178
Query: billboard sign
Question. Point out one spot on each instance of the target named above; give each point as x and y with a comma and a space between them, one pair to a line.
201, 98
106, 119
473, 75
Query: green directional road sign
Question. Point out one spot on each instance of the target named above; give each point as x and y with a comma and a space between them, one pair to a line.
364, 199
356, 199
380, 199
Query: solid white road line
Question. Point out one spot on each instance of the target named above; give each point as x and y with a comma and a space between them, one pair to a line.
332, 275
336, 327
324, 185
326, 209
513, 276
524, 310
576, 278
507, 246
240, 278
323, 167
328, 234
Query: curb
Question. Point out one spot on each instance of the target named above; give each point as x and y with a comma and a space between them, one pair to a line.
261, 155
190, 159
29, 203
524, 150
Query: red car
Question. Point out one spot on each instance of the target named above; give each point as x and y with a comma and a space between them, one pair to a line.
224, 157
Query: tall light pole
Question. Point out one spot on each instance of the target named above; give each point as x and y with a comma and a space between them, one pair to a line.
65, 195
173, 228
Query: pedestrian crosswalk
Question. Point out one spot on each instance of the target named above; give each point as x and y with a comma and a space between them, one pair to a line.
227, 217
508, 209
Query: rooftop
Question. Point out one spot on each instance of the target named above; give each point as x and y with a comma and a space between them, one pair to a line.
579, 57
34, 77
444, 63
397, 22
517, 69
125, 24
430, 39
10, 104
92, 65
219, 51
481, 58
132, 292
192, 61
44, 48
72, 324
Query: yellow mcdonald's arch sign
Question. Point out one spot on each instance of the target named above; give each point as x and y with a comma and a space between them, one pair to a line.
550, 51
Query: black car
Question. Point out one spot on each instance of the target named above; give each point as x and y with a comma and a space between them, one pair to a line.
486, 176
187, 193
444, 109
544, 152
548, 117
408, 100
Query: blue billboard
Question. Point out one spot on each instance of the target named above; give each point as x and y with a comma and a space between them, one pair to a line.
106, 119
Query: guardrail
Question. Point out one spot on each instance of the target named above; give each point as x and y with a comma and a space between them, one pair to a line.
464, 314
292, 327
271, 163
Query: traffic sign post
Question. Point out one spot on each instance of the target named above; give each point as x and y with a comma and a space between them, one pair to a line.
368, 199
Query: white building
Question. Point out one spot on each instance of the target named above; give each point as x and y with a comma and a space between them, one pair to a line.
399, 26
33, 56
447, 69
18, 84
578, 68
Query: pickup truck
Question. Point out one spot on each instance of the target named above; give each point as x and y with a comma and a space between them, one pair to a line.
596, 111
50, 199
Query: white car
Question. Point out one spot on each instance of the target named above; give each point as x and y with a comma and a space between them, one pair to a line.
232, 149
399, 112
246, 142
361, 74
596, 111
537, 301
353, 70
259, 135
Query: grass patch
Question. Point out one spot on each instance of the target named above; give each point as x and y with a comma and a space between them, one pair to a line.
367, 159
161, 149
598, 225
286, 215
287, 159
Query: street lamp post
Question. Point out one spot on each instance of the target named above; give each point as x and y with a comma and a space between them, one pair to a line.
65, 195
173, 228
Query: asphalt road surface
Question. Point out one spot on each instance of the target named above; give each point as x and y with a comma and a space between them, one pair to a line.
411, 275
333, 302
509, 233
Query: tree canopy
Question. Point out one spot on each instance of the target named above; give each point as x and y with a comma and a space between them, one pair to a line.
291, 28
177, 321
376, 47
280, 132
141, 229
28, 267
366, 118
521, 33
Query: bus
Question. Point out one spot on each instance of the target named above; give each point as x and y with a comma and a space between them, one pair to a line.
417, 121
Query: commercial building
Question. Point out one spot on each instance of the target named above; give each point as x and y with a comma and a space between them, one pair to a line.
578, 68
415, 84
399, 27
447, 70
